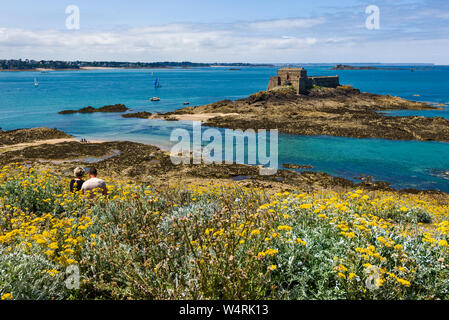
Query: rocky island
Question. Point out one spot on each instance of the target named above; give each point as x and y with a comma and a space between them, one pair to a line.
335, 110
140, 115
348, 67
89, 109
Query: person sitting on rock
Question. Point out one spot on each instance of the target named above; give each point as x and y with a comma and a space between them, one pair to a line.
77, 183
94, 185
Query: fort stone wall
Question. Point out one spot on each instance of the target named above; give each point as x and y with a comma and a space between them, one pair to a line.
329, 82
297, 77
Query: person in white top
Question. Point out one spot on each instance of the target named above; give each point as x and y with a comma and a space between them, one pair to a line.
94, 185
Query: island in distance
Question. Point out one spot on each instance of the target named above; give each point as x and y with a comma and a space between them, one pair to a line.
350, 67
140, 115
89, 109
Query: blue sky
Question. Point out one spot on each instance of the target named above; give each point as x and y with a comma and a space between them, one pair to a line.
227, 31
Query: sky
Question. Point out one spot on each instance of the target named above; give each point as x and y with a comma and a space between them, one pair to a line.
255, 31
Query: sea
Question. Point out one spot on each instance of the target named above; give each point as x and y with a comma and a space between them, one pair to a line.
403, 164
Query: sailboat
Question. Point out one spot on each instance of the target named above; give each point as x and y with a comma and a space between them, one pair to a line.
157, 84
36, 83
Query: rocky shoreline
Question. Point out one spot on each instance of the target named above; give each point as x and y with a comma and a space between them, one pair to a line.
343, 111
147, 163
14, 137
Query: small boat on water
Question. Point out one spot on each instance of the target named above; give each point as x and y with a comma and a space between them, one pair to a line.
36, 83
157, 84
155, 99
186, 103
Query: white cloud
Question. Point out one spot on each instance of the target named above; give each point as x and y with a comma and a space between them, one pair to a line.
3, 34
422, 14
285, 24
177, 41
265, 41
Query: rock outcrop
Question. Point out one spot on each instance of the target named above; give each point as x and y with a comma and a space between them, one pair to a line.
30, 135
141, 115
89, 109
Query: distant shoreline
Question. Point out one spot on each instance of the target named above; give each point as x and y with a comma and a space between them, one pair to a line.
17, 65
86, 69
112, 68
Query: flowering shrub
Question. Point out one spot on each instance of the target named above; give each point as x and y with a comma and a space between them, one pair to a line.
217, 242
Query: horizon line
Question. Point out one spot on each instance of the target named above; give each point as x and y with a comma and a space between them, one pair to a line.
238, 62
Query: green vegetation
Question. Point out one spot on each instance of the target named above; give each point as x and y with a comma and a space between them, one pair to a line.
217, 242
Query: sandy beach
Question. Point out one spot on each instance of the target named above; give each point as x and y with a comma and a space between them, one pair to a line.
21, 146
97, 68
195, 117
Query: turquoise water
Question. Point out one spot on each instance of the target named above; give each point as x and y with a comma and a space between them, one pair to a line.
402, 163
443, 113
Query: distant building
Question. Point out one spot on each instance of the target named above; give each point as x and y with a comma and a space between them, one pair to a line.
297, 77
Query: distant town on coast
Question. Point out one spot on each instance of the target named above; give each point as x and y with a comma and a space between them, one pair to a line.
26, 64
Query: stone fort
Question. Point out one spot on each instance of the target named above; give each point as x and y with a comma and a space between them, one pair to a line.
297, 77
